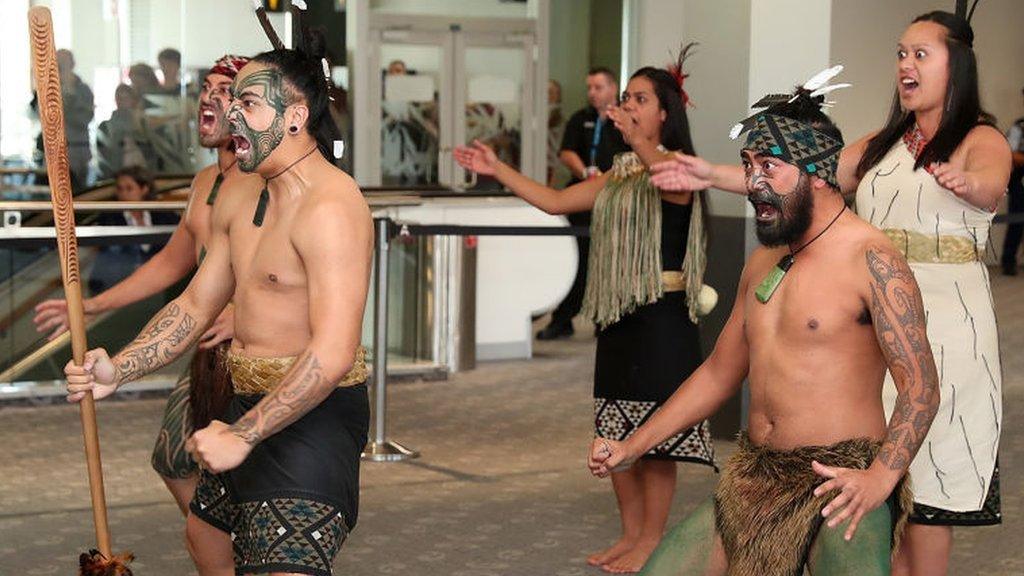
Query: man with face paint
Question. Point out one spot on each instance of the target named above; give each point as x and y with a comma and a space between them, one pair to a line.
823, 308
279, 486
178, 258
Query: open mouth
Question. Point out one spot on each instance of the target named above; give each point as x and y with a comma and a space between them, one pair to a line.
207, 119
765, 212
908, 86
242, 146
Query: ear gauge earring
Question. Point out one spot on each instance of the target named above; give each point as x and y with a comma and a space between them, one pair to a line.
293, 129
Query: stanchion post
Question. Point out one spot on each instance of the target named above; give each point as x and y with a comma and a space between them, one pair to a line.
380, 449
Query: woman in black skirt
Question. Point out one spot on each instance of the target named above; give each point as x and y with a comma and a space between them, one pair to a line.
645, 274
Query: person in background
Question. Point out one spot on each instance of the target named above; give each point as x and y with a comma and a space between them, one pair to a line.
121, 140
1015, 198
170, 66
143, 79
556, 130
78, 113
117, 262
589, 145
397, 68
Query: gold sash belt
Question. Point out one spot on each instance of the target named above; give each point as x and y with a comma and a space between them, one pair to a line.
930, 249
253, 375
673, 280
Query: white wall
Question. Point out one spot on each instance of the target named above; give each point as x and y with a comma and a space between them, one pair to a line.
16, 128
232, 23
658, 25
718, 84
570, 51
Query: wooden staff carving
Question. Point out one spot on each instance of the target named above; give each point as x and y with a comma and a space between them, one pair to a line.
51, 116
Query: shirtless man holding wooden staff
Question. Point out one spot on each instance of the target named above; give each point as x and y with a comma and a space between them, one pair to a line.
201, 385
296, 257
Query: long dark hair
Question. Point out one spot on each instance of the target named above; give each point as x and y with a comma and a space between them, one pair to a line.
962, 110
302, 69
675, 130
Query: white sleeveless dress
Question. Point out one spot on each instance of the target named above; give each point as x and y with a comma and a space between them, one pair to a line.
954, 469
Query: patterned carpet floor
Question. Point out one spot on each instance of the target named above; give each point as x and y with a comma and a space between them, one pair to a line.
501, 487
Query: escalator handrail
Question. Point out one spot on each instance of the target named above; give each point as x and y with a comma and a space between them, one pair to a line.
33, 358
95, 205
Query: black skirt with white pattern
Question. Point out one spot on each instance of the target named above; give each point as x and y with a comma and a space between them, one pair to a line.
641, 360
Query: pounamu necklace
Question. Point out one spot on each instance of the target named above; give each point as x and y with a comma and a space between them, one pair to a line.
771, 282
212, 197
261, 207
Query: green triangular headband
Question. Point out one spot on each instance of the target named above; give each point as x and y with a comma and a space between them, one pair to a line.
793, 142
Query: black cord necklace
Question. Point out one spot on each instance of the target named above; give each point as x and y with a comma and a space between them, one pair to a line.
771, 282
261, 207
216, 183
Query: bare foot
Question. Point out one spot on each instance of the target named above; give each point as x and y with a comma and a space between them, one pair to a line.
611, 553
633, 560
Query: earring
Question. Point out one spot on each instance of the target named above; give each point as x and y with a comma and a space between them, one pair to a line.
293, 129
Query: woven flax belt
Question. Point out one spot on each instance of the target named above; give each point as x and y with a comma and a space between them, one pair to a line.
261, 375
673, 280
930, 249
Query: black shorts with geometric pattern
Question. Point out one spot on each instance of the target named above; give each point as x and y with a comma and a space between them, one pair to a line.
292, 503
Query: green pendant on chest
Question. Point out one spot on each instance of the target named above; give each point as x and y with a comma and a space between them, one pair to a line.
771, 282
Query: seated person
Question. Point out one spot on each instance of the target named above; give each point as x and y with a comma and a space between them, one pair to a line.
115, 262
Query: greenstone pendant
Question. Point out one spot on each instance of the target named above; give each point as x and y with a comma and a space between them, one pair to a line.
261, 208
771, 282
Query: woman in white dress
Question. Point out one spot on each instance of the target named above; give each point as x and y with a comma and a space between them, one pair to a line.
931, 178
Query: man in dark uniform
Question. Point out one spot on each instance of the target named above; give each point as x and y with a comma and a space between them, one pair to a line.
589, 145
1015, 198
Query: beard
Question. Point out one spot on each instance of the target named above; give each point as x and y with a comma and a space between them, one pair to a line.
215, 131
788, 217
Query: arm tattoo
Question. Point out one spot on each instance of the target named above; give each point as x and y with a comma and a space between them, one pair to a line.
168, 334
301, 390
899, 319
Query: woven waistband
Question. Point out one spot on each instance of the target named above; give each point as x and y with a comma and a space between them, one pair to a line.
931, 249
256, 375
673, 280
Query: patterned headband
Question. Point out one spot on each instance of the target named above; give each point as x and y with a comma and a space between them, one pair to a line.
797, 143
792, 141
229, 65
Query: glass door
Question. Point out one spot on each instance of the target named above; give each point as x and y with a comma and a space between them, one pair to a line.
494, 76
435, 84
412, 69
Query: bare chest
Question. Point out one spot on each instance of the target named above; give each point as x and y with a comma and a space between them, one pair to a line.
198, 223
814, 304
265, 261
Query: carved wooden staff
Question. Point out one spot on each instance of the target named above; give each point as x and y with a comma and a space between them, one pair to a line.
51, 116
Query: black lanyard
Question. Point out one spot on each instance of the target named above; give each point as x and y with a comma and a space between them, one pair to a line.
596, 140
